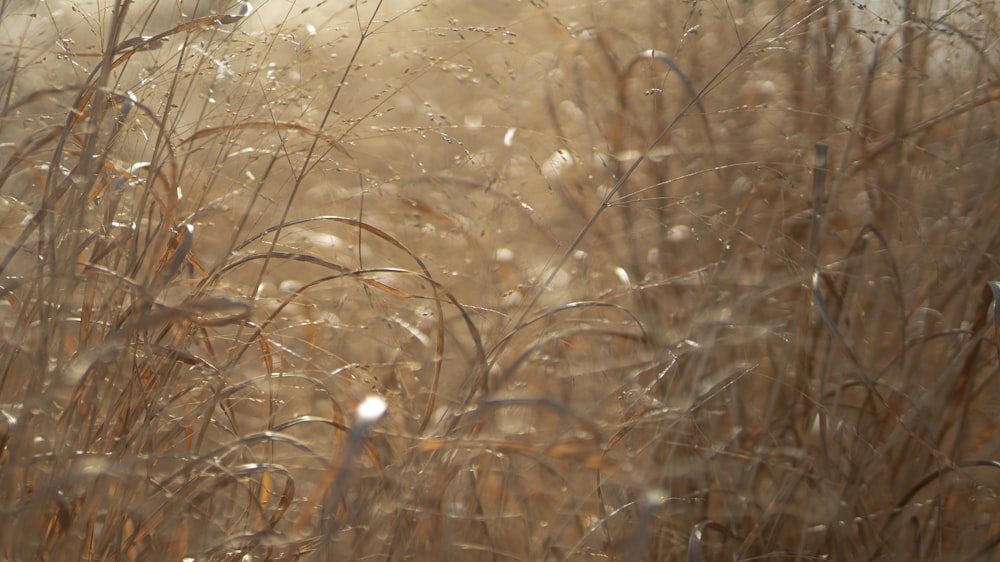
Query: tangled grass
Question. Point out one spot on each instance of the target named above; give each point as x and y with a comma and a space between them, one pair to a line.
704, 280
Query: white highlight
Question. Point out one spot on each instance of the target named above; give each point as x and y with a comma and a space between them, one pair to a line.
504, 255
371, 409
557, 164
623, 276
508, 137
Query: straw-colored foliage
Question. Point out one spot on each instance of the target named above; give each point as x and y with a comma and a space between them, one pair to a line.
652, 280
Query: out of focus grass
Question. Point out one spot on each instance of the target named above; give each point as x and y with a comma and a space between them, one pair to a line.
672, 281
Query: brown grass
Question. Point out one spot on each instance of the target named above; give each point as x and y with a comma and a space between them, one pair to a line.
673, 281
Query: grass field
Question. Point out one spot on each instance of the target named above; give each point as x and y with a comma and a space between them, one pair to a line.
653, 280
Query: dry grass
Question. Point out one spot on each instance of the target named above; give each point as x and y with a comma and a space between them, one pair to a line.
695, 280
